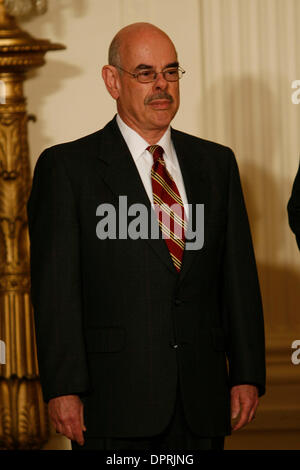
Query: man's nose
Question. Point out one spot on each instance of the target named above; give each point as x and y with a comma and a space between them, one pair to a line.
160, 81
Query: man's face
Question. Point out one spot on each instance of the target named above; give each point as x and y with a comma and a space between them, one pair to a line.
147, 106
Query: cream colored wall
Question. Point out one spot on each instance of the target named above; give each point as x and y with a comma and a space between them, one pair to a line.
68, 95
241, 58
249, 60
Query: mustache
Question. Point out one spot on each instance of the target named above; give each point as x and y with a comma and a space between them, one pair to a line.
159, 96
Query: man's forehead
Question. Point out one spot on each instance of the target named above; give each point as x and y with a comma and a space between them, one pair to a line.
148, 49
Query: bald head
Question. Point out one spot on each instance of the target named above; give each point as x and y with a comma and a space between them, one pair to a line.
142, 50
132, 35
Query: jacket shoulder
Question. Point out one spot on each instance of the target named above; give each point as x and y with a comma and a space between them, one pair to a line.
83, 144
212, 154
208, 145
71, 154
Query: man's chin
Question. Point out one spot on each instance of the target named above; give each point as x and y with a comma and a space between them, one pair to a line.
162, 117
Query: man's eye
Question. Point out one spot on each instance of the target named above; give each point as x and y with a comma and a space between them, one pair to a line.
147, 73
172, 72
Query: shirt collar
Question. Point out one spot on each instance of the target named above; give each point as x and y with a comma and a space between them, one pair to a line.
137, 145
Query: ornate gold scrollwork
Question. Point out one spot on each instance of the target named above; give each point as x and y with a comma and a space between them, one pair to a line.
23, 417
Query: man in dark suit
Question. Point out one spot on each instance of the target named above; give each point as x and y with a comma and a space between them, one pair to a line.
294, 208
133, 332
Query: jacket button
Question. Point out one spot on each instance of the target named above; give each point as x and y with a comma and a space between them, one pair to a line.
174, 345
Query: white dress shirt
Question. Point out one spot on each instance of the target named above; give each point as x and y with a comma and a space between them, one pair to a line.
144, 160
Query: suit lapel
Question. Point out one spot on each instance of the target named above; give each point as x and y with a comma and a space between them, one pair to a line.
196, 182
123, 178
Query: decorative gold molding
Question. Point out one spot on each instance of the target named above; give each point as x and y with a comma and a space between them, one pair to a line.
23, 417
22, 424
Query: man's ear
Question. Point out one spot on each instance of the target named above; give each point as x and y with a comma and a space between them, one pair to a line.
111, 80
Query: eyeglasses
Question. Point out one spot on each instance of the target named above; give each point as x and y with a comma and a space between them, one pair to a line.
147, 76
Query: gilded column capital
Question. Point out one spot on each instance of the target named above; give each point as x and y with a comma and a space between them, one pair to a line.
23, 416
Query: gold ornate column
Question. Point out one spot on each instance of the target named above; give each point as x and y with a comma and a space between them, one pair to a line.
23, 417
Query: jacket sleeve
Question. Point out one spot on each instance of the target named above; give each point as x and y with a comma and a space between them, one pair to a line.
56, 280
294, 208
243, 313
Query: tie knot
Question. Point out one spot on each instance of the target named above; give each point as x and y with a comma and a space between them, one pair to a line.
156, 151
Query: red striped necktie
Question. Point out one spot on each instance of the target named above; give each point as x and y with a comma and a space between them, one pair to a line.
168, 206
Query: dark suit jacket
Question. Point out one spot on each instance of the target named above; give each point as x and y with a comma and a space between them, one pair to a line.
294, 208
115, 323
